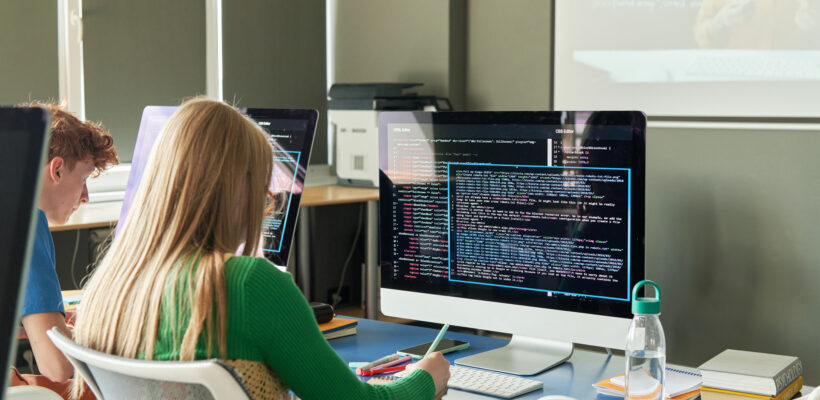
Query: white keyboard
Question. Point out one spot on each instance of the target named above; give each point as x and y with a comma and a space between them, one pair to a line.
489, 383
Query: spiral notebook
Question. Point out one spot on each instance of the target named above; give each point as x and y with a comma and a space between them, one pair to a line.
681, 383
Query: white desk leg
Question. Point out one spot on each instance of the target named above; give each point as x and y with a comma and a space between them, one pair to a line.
372, 260
303, 265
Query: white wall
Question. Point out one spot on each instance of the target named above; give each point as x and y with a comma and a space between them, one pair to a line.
274, 56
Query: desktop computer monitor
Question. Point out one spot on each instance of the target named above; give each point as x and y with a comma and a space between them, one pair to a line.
529, 223
290, 132
22, 156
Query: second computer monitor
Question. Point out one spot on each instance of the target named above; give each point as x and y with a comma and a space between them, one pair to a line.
290, 132
530, 223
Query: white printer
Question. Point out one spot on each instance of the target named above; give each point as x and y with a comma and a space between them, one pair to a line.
353, 125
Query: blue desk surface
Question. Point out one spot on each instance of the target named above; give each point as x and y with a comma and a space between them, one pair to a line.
573, 378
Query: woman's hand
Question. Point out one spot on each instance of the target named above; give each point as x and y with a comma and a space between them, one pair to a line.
437, 367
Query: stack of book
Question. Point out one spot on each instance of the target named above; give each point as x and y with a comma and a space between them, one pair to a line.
338, 327
741, 375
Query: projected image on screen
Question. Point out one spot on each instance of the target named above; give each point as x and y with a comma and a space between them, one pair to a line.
689, 57
754, 24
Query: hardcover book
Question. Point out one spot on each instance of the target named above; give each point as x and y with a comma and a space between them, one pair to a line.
751, 372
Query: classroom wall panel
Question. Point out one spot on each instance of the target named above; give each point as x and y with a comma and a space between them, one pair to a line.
140, 53
508, 55
731, 233
28, 51
274, 56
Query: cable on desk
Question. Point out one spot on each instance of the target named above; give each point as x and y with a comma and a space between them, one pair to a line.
335, 298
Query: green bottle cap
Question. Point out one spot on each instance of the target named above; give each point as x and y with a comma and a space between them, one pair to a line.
646, 305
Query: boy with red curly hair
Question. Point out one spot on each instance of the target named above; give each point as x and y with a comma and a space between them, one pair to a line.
76, 151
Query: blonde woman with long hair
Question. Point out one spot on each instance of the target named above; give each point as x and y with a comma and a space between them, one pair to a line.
171, 288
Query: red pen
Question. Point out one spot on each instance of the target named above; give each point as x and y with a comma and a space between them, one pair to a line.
361, 372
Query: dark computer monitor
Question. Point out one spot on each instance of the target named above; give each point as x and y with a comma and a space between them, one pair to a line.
290, 132
529, 223
22, 155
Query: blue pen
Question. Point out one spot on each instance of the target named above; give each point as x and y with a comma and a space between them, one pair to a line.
438, 339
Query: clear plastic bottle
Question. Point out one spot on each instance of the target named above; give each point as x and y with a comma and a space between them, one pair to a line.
645, 347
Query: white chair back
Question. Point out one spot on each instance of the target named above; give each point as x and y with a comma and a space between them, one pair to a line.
113, 377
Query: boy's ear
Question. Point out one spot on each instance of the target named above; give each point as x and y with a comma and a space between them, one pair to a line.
55, 168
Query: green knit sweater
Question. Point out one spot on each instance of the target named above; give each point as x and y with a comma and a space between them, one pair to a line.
270, 321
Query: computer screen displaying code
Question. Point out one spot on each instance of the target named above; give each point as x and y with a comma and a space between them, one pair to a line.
541, 228
518, 208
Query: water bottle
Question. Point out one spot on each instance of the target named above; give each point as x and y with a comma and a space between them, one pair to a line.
645, 347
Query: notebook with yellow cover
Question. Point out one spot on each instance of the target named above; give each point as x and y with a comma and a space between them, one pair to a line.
708, 393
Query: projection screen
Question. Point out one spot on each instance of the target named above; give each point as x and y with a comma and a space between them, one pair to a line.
712, 58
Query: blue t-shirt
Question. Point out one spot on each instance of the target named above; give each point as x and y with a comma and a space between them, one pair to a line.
43, 288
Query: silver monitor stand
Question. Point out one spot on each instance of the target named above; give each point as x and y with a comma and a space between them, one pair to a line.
522, 356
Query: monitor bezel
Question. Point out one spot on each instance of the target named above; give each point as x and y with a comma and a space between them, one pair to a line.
598, 329
34, 122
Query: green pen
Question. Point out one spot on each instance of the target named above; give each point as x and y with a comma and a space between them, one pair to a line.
438, 339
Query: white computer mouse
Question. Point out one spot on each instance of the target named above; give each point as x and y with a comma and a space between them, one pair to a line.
557, 397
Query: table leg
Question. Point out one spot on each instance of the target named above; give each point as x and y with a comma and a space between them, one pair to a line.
291, 267
303, 265
372, 260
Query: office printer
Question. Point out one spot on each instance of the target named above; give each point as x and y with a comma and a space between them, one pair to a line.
353, 125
